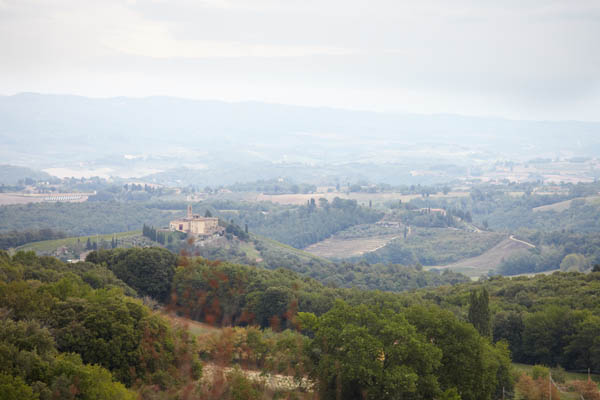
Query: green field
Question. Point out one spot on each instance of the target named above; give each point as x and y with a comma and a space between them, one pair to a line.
48, 246
571, 376
271, 248
281, 248
564, 205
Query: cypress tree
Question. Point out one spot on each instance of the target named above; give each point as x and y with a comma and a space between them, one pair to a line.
479, 312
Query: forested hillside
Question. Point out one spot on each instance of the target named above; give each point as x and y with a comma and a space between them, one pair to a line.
426, 350
72, 332
51, 309
82, 219
449, 342
551, 320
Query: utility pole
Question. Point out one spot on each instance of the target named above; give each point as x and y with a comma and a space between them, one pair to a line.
502, 392
589, 378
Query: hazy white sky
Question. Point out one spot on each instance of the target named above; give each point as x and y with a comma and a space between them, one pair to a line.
531, 59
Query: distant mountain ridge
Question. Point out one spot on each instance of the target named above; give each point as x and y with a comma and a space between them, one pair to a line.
11, 174
45, 130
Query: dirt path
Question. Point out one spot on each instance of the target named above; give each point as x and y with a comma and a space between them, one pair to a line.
271, 381
383, 245
512, 237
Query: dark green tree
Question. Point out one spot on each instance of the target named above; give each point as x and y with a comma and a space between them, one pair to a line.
15, 389
584, 346
149, 271
470, 363
272, 307
360, 353
479, 311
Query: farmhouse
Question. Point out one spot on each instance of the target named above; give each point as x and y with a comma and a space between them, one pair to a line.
195, 224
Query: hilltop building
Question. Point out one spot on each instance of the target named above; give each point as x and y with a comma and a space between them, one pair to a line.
195, 224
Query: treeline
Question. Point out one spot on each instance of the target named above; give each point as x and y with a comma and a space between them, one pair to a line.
273, 186
423, 190
70, 332
18, 238
366, 276
551, 320
108, 191
419, 212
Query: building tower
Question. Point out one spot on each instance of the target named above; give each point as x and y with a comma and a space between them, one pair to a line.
189, 214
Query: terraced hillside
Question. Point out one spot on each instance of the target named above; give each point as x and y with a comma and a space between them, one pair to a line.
338, 247
358, 240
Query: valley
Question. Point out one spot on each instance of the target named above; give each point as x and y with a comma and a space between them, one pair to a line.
299, 200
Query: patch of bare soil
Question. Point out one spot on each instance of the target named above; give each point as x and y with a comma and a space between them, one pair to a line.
336, 247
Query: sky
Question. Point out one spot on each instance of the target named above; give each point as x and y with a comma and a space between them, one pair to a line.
521, 59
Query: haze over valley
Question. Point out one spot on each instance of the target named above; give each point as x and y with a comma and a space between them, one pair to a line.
259, 200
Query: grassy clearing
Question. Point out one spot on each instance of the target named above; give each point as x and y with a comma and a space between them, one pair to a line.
564, 205
250, 250
194, 327
571, 376
273, 245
